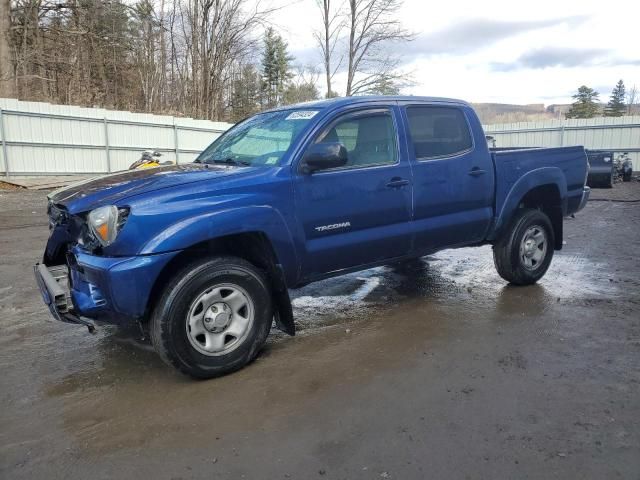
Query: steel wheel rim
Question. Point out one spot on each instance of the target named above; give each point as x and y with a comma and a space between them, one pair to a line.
533, 247
219, 319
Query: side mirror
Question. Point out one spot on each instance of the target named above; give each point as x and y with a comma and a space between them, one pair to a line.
321, 156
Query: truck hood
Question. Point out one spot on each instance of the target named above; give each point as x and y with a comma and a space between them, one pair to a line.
109, 189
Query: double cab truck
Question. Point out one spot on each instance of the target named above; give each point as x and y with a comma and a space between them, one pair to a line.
203, 254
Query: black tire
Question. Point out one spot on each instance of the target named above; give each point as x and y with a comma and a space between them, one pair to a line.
507, 251
169, 319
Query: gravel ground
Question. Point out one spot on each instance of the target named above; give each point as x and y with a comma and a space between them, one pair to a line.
623, 191
431, 369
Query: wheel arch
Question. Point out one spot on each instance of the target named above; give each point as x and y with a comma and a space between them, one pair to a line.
252, 246
544, 189
547, 199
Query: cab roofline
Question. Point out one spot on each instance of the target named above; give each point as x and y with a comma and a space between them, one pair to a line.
342, 101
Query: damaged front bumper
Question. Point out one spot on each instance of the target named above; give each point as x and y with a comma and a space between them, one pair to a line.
92, 288
54, 287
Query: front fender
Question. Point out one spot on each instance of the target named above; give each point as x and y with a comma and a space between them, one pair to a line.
211, 225
508, 197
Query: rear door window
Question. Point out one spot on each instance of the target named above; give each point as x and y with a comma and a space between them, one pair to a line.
438, 131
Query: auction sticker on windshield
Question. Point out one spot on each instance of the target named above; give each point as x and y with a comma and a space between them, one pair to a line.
302, 115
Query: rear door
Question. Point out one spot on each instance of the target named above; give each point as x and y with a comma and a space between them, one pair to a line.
356, 214
453, 176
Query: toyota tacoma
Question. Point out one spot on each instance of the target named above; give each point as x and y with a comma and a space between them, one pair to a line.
203, 254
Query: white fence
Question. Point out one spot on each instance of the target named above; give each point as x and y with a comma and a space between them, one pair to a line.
45, 139
618, 134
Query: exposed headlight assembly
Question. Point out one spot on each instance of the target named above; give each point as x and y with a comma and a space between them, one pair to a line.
106, 222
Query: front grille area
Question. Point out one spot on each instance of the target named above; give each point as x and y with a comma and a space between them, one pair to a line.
57, 215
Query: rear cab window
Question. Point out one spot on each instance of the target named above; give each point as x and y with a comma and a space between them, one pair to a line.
438, 132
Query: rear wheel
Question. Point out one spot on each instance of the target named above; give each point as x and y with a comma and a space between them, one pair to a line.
213, 317
524, 253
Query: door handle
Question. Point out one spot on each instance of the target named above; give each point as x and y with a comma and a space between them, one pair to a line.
476, 172
397, 182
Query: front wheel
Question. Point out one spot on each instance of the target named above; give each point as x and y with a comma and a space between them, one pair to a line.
213, 317
524, 253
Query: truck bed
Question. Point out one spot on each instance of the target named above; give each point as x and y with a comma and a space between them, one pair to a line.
563, 166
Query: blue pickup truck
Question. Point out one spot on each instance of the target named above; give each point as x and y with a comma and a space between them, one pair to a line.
203, 254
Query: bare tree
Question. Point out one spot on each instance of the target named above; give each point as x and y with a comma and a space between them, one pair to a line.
373, 26
302, 86
220, 34
148, 55
632, 95
146, 44
7, 82
327, 38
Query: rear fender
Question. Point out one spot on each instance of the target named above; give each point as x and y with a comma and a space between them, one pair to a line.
508, 201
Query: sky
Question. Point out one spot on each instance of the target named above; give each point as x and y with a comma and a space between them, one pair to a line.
498, 51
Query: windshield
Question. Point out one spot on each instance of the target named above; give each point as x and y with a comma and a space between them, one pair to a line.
261, 140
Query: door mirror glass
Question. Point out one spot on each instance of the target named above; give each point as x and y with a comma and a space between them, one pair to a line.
322, 156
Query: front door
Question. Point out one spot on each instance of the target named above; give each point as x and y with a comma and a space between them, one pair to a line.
359, 213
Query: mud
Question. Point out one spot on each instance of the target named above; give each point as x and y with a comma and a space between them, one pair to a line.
429, 369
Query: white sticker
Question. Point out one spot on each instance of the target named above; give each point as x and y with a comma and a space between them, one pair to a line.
302, 115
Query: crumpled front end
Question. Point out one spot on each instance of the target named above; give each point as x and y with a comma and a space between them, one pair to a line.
80, 285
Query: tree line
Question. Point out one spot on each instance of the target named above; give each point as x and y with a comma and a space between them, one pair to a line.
189, 57
587, 102
213, 59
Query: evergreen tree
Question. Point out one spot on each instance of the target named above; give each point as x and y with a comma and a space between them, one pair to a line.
269, 74
384, 85
585, 105
616, 106
276, 64
304, 92
245, 97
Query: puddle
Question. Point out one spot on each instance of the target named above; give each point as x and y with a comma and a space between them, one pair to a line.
454, 277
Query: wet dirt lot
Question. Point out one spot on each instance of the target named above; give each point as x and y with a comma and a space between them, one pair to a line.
431, 369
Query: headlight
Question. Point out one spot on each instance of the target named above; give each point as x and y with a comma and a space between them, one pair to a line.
106, 222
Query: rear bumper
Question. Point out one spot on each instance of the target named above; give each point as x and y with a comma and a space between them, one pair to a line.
577, 200
585, 198
107, 289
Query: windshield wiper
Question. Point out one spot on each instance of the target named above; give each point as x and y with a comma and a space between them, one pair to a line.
231, 161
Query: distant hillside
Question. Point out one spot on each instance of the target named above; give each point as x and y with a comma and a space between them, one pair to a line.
507, 113
491, 113
559, 110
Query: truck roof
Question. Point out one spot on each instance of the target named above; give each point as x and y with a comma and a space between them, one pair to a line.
340, 101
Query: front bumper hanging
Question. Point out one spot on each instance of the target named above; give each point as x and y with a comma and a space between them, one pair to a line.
54, 287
